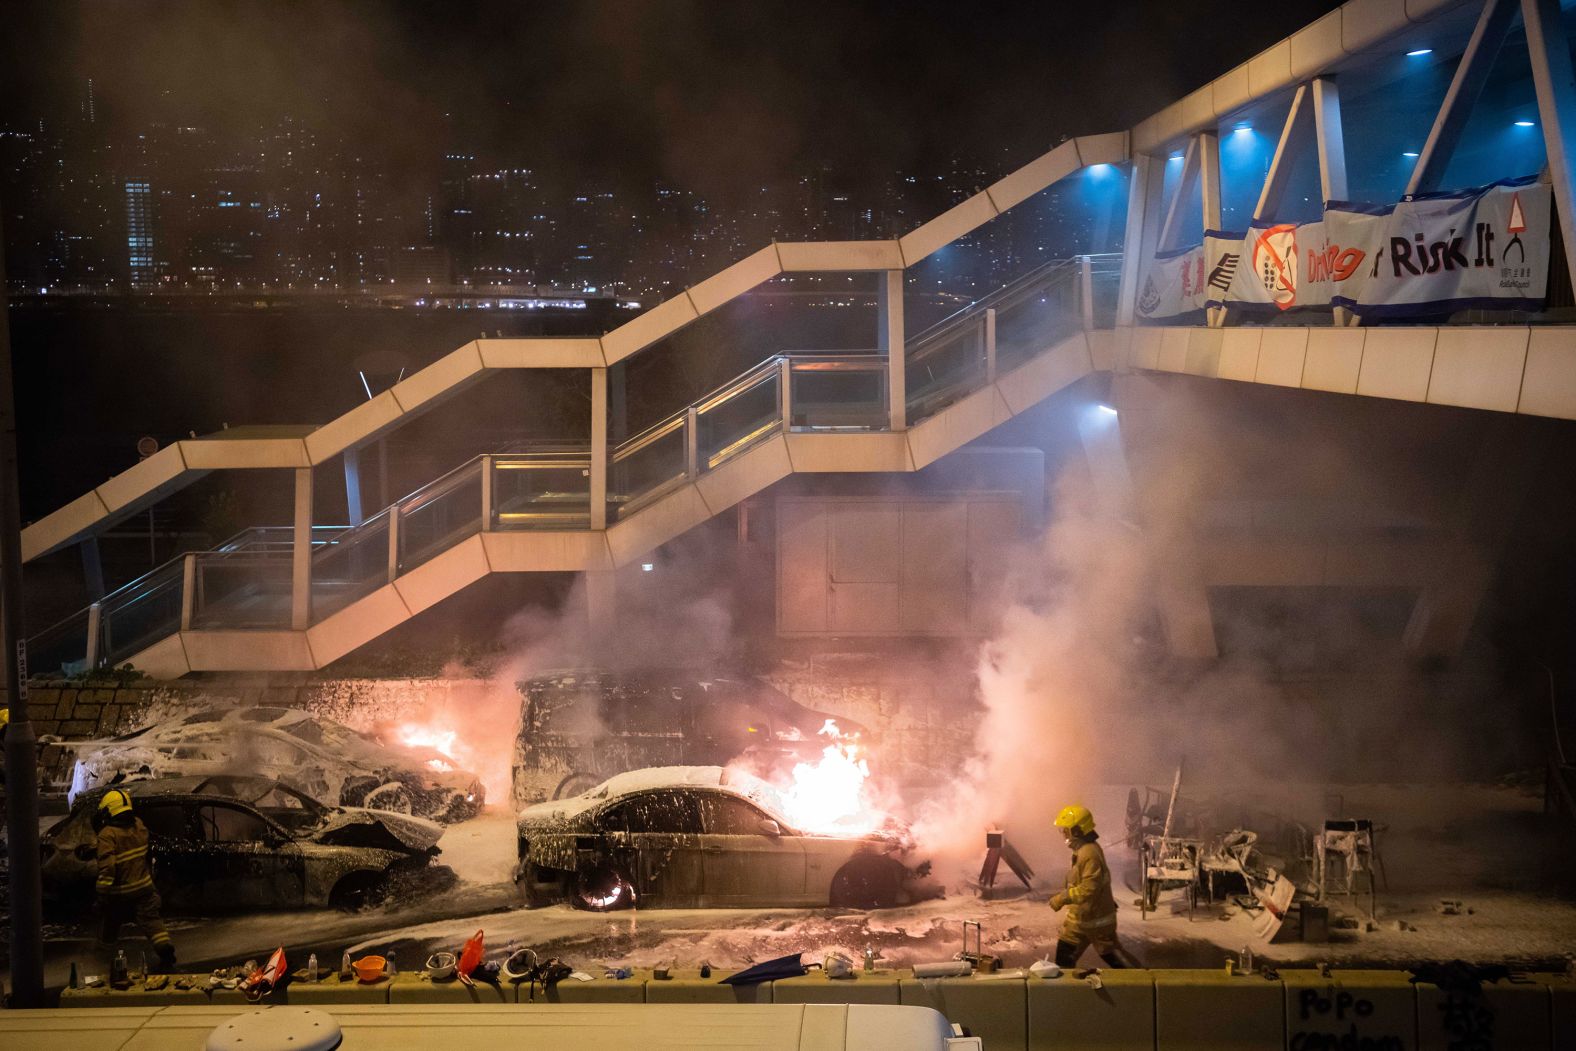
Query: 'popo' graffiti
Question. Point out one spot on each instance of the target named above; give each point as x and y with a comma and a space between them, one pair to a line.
1337, 1020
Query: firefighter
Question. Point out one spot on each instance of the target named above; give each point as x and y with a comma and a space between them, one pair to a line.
125, 876
1091, 910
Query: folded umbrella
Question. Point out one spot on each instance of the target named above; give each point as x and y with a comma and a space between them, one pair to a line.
768, 971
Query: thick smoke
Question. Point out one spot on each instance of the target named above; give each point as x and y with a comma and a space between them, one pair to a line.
1079, 694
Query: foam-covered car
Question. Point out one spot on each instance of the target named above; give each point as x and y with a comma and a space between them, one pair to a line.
241, 842
702, 836
327, 760
581, 727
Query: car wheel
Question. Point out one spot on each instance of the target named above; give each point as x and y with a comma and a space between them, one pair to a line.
359, 890
574, 784
867, 883
602, 888
392, 796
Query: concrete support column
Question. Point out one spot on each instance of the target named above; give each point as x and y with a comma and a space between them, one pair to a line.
301, 553
889, 340
598, 448
188, 590
1085, 294
1133, 238
352, 457
95, 634
602, 599
93, 568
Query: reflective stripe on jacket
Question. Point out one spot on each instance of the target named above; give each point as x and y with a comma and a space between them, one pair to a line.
1090, 906
123, 865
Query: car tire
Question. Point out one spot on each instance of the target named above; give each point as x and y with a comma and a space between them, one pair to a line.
602, 887
867, 883
576, 783
359, 890
392, 796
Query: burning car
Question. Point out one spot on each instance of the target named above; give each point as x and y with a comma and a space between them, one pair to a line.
705, 836
242, 842
326, 760
579, 728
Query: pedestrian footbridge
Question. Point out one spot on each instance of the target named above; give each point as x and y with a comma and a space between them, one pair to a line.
302, 596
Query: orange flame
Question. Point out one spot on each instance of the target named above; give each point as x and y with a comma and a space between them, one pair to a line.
831, 796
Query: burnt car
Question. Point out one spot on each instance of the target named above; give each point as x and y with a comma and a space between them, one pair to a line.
240, 842
327, 760
579, 728
701, 836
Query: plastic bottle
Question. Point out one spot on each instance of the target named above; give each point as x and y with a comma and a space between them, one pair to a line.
142, 964
74, 982
390, 968
311, 968
870, 959
344, 967
117, 969
1247, 959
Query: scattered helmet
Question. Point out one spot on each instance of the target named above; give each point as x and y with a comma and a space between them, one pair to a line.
520, 965
1077, 818
440, 966
116, 802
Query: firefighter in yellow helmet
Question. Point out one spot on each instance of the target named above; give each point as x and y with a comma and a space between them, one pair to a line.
1091, 910
125, 876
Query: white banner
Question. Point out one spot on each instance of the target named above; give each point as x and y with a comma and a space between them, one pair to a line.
1486, 247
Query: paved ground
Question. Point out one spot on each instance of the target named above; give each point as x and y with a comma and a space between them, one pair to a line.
1489, 846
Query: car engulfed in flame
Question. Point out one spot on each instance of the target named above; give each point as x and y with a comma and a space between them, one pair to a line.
704, 836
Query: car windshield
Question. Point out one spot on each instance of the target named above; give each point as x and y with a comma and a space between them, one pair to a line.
202, 717
307, 730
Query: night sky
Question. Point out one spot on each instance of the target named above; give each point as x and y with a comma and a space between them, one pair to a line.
712, 96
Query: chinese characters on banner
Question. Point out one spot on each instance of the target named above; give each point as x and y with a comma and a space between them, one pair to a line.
1481, 248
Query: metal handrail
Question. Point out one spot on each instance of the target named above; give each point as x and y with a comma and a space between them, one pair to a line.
1017, 285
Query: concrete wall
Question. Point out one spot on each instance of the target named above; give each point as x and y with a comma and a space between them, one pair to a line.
911, 703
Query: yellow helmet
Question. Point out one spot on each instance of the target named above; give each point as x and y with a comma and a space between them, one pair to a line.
116, 802
1077, 818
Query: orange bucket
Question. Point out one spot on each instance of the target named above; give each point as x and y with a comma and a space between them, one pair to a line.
369, 968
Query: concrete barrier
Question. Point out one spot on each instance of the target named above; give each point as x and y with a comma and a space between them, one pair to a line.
688, 987
1562, 996
333, 991
1066, 1013
875, 987
1214, 1011
136, 996
994, 1009
1498, 1017
418, 989
1358, 1009
596, 991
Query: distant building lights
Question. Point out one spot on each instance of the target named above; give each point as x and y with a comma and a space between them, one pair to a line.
1526, 123
1420, 52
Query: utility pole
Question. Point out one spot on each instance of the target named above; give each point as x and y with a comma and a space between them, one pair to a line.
21, 744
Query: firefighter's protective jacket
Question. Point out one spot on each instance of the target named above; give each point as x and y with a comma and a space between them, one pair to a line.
1090, 906
123, 868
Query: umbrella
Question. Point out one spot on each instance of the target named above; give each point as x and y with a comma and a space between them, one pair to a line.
767, 971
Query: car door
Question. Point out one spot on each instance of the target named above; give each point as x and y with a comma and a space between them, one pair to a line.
178, 854
251, 862
823, 857
743, 862
656, 838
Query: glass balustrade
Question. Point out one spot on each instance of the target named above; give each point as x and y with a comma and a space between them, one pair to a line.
838, 392
649, 465
1105, 285
436, 518
945, 367
61, 648
1034, 318
134, 617
545, 489
739, 416
241, 590
355, 563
